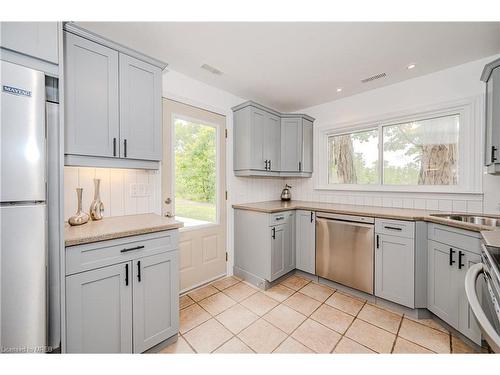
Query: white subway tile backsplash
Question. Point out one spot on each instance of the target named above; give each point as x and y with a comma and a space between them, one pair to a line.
386, 202
459, 206
408, 203
397, 203
359, 200
432, 204
475, 207
419, 204
377, 201
445, 205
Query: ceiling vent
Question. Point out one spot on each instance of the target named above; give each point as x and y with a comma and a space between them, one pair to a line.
373, 78
211, 69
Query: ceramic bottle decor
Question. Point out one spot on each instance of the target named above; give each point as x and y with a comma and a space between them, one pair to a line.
96, 207
80, 217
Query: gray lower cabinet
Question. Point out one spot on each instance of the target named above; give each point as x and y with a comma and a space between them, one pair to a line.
140, 109
282, 247
155, 299
35, 39
99, 310
92, 125
451, 252
122, 296
305, 245
264, 245
395, 269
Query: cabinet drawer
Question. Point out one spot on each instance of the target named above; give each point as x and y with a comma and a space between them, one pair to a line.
279, 218
99, 254
395, 227
455, 237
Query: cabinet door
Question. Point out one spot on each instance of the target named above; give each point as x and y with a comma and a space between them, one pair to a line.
394, 269
289, 242
291, 144
272, 142
91, 98
305, 243
156, 299
492, 135
442, 291
277, 264
467, 323
259, 134
140, 109
307, 146
99, 310
36, 39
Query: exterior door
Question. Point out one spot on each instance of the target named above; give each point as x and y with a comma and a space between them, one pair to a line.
194, 188
99, 310
156, 303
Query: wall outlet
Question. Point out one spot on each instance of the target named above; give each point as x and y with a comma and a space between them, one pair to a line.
139, 190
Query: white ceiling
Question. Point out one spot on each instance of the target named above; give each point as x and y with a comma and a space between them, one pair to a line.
291, 66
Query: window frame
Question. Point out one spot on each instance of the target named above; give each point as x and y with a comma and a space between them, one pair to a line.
470, 154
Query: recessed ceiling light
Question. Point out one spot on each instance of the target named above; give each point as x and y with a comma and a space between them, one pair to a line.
411, 66
339, 89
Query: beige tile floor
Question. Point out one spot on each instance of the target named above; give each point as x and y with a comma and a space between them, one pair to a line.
299, 316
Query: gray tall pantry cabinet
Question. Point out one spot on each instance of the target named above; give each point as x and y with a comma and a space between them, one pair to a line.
113, 104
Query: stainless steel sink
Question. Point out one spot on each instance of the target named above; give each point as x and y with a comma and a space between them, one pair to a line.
472, 219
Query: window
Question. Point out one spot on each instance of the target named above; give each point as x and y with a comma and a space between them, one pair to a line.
353, 158
195, 149
424, 153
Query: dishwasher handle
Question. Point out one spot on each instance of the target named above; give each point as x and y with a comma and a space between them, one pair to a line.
344, 222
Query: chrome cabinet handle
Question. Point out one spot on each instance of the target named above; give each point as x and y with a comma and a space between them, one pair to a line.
274, 233
139, 271
114, 146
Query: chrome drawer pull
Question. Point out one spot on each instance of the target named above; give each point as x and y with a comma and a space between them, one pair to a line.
131, 249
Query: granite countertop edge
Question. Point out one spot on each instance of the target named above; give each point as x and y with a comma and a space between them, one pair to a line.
490, 235
96, 233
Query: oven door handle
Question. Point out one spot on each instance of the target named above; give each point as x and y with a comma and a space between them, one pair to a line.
470, 290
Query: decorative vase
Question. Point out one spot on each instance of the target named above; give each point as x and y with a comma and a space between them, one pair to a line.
96, 207
80, 217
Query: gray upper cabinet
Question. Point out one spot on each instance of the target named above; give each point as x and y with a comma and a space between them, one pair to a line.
99, 310
112, 103
491, 75
156, 302
296, 145
268, 143
35, 39
395, 269
291, 145
305, 249
91, 98
140, 109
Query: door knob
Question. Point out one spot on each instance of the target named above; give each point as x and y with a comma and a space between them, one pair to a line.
169, 214
168, 201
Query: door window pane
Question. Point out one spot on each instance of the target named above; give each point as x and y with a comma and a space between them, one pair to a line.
195, 147
422, 152
353, 158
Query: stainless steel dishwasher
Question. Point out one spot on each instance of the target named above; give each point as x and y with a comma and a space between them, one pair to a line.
344, 249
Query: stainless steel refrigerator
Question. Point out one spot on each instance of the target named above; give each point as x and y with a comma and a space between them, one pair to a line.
23, 210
